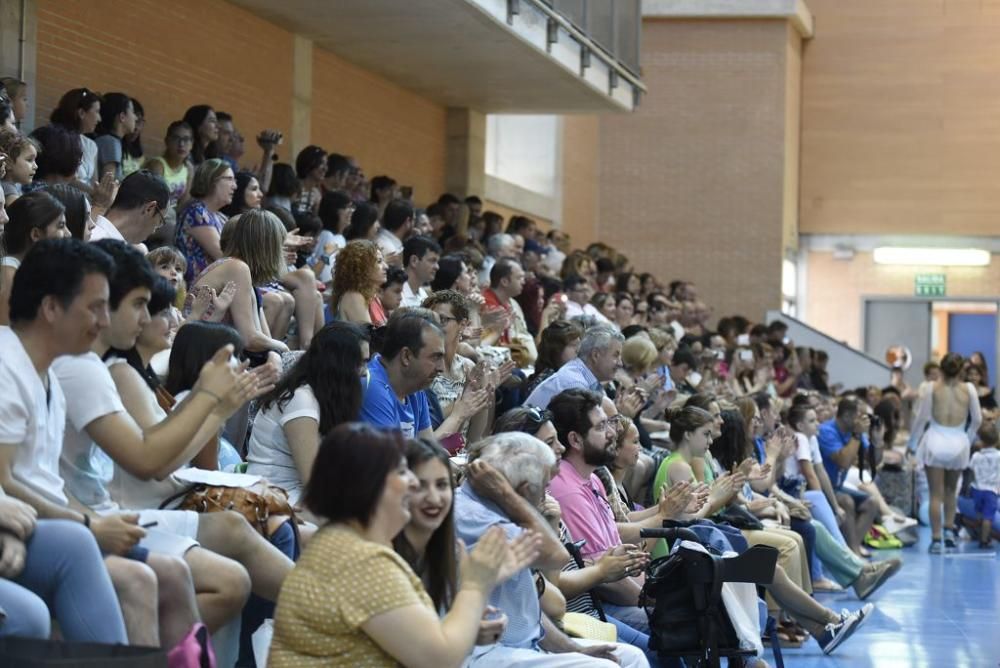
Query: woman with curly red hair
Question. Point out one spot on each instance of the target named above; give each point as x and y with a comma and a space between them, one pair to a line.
359, 272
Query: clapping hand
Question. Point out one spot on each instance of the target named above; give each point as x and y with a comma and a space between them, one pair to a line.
675, 499
630, 402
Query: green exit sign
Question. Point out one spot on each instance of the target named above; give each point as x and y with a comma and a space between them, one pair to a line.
929, 285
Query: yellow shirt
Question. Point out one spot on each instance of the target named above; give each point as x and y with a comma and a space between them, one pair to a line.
340, 582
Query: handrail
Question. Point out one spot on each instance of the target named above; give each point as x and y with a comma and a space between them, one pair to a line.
777, 315
587, 42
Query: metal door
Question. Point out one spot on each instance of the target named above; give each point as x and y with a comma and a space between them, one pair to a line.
899, 322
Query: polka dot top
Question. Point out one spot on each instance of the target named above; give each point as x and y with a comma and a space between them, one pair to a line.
340, 582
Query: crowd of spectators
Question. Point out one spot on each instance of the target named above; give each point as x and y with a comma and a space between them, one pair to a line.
473, 418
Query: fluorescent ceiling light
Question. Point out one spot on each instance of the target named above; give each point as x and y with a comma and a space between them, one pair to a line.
936, 257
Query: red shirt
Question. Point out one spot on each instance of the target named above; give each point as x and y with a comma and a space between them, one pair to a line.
377, 312
493, 303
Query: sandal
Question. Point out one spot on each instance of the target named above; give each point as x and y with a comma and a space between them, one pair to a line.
793, 629
785, 640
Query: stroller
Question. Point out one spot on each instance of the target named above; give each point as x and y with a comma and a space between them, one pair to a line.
683, 600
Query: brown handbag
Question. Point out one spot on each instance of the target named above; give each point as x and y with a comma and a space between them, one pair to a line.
257, 502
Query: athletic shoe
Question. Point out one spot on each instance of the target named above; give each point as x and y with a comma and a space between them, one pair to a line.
875, 576
937, 547
949, 541
865, 610
835, 634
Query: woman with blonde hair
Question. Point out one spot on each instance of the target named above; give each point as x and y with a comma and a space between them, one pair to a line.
639, 356
199, 226
253, 247
359, 273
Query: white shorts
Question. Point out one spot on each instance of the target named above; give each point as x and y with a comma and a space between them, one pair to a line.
175, 533
944, 447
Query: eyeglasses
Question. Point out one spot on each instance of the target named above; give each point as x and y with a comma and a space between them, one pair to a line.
445, 319
163, 220
603, 425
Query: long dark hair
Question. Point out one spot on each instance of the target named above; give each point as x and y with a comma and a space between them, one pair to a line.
438, 567
330, 369
196, 342
133, 147
78, 99
76, 203
365, 215
330, 206
194, 117
450, 267
239, 205
731, 446
112, 106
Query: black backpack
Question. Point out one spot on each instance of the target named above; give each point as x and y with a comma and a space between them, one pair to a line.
682, 597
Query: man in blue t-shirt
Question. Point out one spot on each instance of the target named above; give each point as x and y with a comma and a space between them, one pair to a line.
413, 355
840, 440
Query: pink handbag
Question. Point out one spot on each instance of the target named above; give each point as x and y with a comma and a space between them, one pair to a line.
193, 651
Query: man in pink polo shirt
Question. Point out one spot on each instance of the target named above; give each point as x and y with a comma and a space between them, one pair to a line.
589, 437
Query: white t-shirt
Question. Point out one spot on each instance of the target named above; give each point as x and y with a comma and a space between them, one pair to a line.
269, 454
87, 171
388, 242
105, 229
806, 448
91, 394
31, 419
91, 475
134, 493
412, 299
574, 310
985, 465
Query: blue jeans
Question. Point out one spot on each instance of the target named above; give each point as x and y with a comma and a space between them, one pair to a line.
822, 511
805, 529
632, 615
64, 576
640, 640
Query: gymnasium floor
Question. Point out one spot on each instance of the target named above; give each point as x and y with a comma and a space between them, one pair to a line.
940, 610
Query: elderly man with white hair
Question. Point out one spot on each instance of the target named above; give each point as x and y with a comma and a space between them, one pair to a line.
597, 359
506, 480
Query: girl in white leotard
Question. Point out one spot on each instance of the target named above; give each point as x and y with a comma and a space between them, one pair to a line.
943, 430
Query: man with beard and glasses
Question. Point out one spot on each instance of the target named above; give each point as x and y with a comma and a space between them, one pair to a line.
589, 437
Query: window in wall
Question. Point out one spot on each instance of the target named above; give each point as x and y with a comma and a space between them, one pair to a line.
523, 150
789, 288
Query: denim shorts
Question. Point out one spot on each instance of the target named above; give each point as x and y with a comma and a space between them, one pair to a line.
986, 502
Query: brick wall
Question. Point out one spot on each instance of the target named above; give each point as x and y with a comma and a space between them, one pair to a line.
168, 55
173, 55
387, 128
692, 184
899, 123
